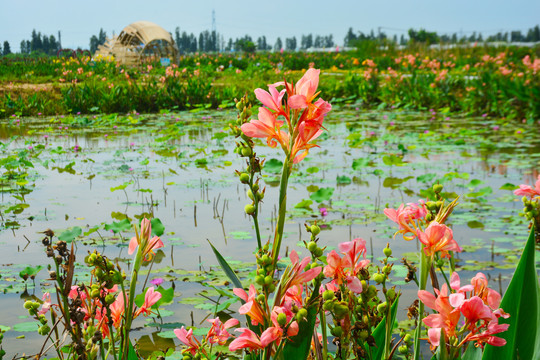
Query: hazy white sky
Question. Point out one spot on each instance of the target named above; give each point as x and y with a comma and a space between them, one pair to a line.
78, 20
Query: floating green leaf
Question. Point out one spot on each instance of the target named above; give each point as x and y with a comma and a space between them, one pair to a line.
70, 235
323, 194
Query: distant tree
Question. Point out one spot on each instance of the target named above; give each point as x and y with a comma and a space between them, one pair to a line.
318, 42
261, 43
402, 40
423, 36
516, 36
394, 39
7, 48
95, 41
480, 38
290, 43
245, 44
279, 45
350, 38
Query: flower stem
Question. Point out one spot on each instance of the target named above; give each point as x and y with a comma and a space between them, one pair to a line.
286, 172
132, 287
425, 266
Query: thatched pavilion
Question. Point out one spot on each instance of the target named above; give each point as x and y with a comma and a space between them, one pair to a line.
140, 41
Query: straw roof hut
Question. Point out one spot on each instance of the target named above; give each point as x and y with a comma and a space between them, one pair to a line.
140, 41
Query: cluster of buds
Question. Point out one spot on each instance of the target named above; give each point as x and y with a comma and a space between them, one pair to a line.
531, 202
244, 147
32, 307
265, 271
312, 246
105, 274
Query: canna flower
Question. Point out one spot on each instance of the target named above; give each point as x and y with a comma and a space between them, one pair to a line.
247, 340
305, 90
150, 298
187, 338
252, 308
528, 191
272, 99
405, 216
266, 126
143, 240
117, 310
218, 333
438, 237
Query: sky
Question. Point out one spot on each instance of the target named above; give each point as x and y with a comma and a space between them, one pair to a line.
78, 20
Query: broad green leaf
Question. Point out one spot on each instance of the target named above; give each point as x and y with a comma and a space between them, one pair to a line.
70, 235
30, 326
304, 204
30, 272
360, 163
472, 353
157, 227
379, 333
323, 194
509, 186
225, 266
117, 227
522, 303
273, 166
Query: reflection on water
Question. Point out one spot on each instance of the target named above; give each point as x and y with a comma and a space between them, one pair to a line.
180, 169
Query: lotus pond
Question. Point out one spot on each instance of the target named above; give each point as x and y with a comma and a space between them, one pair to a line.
88, 178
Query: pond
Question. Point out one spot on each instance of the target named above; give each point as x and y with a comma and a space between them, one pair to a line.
93, 172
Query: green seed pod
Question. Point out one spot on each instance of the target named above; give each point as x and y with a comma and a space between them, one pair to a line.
371, 291
391, 294
271, 288
255, 187
109, 299
381, 308
250, 194
259, 280
386, 269
341, 309
302, 313
337, 331
328, 295
378, 277
403, 349
28, 304
328, 305
318, 252
265, 259
315, 230
282, 319
312, 246
244, 178
94, 293
249, 209
363, 335
260, 298
437, 188
246, 151
387, 252
313, 265
268, 280
408, 339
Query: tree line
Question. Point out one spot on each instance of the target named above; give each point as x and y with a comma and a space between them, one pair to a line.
212, 41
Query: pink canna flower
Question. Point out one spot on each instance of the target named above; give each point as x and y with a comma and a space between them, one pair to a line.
252, 308
355, 252
405, 216
528, 191
247, 340
272, 99
117, 310
147, 245
266, 126
150, 298
186, 337
475, 310
486, 337
305, 90
438, 238
218, 333
47, 303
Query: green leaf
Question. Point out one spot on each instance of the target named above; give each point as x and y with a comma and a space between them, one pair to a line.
391, 160
30, 326
117, 227
225, 266
70, 235
472, 353
273, 166
521, 301
360, 163
322, 194
304, 204
379, 333
509, 186
343, 180
30, 272
157, 227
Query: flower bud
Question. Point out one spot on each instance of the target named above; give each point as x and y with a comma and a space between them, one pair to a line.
337, 331
282, 319
249, 209
328, 295
244, 178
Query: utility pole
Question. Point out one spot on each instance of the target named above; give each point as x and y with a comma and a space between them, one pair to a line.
213, 20
59, 40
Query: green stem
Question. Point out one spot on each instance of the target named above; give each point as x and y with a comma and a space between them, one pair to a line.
388, 328
324, 337
256, 213
425, 266
129, 313
286, 172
